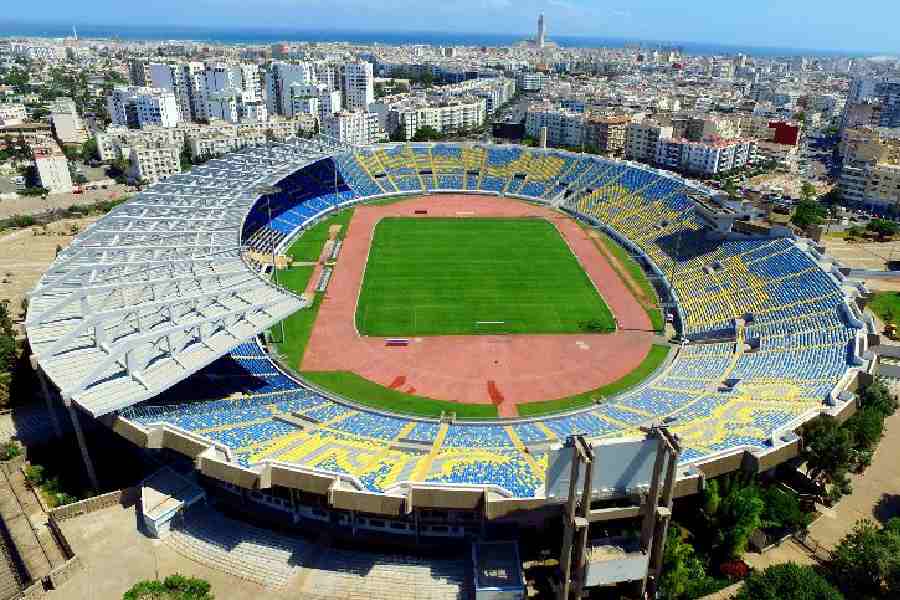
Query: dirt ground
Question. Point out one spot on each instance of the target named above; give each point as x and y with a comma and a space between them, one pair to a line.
26, 253
33, 205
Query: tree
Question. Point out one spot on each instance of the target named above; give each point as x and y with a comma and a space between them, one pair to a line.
89, 150
173, 587
185, 156
740, 514
828, 452
808, 213
866, 561
684, 573
883, 228
789, 581
426, 133
808, 191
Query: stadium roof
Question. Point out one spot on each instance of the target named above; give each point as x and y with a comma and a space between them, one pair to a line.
158, 288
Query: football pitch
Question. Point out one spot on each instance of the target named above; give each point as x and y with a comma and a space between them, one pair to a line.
469, 276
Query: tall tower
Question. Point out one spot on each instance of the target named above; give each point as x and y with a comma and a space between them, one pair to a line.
540, 35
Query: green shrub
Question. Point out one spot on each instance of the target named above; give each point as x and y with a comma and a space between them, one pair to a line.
866, 427
173, 587
34, 475
788, 582
10, 450
783, 511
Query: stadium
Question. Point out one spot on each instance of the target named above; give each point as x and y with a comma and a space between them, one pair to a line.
166, 321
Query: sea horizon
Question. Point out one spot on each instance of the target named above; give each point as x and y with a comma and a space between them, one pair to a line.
249, 35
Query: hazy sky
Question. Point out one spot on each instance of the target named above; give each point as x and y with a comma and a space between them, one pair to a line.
821, 24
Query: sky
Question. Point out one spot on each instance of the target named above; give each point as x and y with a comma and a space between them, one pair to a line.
863, 25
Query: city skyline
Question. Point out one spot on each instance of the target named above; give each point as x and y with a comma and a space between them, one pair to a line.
804, 24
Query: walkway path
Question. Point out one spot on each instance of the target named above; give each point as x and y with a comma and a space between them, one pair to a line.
876, 496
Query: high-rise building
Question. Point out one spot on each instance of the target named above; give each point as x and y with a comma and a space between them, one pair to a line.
540, 32
358, 79
280, 78
138, 107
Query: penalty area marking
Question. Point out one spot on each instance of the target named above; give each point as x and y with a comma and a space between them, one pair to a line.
490, 322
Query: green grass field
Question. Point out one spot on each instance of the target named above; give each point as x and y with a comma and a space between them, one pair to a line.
469, 276
886, 306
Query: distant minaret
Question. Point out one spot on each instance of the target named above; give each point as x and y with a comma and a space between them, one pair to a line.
74, 33
540, 35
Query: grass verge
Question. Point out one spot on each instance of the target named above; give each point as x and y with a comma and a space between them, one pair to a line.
646, 293
651, 362
362, 391
886, 306
308, 247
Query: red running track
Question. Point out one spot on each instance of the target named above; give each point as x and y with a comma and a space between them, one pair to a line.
505, 370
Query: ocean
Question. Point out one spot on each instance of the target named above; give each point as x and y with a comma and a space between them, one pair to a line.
394, 38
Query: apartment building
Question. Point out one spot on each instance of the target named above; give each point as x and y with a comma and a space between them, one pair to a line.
12, 114
530, 81
280, 78
52, 168
606, 133
153, 163
869, 167
219, 143
641, 139
564, 128
355, 128
138, 107
67, 125
187, 81
455, 114
358, 85
496, 92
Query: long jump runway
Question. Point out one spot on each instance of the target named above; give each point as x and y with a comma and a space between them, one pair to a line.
505, 370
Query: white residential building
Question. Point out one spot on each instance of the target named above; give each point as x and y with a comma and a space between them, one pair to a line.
66, 123
142, 106
358, 79
188, 82
529, 81
154, 163
641, 139
704, 158
355, 128
564, 128
279, 79
52, 168
12, 114
217, 144
452, 115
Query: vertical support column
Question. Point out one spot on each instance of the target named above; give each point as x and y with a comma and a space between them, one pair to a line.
86, 457
565, 559
650, 516
668, 494
584, 523
48, 400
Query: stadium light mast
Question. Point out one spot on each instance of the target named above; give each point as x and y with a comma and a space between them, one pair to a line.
268, 191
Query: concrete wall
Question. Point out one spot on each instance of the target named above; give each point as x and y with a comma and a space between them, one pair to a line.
124, 497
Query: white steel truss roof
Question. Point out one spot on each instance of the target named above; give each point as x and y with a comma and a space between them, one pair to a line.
158, 289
